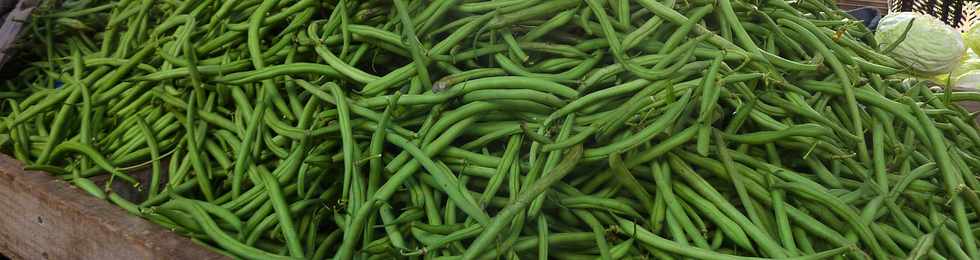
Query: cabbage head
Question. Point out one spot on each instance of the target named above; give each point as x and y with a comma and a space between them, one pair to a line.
969, 80
930, 48
970, 62
967, 72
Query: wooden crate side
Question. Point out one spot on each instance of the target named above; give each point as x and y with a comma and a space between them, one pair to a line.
13, 24
881, 5
42, 217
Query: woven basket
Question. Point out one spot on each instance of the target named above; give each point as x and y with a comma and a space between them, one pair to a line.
956, 13
971, 14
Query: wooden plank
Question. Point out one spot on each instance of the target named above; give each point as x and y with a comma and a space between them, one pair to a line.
43, 217
13, 23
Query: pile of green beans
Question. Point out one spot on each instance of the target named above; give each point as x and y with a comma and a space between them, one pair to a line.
464, 129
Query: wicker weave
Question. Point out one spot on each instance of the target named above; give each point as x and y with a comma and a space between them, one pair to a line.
956, 13
971, 14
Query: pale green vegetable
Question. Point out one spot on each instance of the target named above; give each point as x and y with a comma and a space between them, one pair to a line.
969, 80
930, 48
972, 37
967, 72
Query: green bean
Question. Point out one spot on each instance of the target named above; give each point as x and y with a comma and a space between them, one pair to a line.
479, 7
645, 236
275, 71
59, 122
647, 133
849, 92
782, 221
93, 155
617, 48
510, 154
445, 125
709, 97
517, 94
598, 232
346, 136
220, 237
152, 143
202, 175
90, 187
590, 202
725, 224
614, 122
282, 211
951, 179
736, 178
532, 12
523, 199
387, 189
843, 210
415, 47
626, 179
243, 157
447, 182
765, 242
807, 130
598, 96
553, 23
359, 110
661, 176
270, 220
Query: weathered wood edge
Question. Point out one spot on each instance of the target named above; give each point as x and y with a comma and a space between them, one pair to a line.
42, 217
12, 25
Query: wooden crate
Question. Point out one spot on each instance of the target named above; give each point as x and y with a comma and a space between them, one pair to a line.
881, 5
14, 13
42, 217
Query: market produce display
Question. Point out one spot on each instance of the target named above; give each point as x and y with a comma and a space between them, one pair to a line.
925, 43
506, 129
